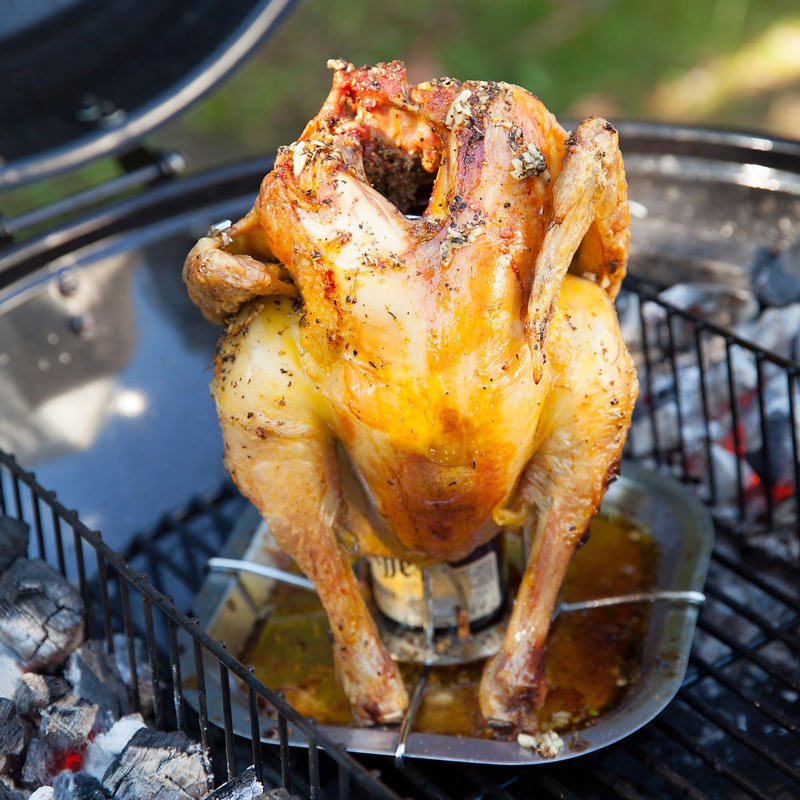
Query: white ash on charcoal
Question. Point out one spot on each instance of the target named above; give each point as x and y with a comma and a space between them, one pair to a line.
70, 734
36, 691
14, 537
12, 741
105, 747
60, 741
38, 769
767, 472
246, 787
41, 614
43, 764
775, 329
94, 676
66, 724
11, 672
242, 787
725, 306
775, 277
144, 678
78, 786
159, 766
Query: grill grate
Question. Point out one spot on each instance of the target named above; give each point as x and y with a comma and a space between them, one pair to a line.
21, 496
716, 411
732, 730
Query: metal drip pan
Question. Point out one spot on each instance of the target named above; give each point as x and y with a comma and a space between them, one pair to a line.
228, 605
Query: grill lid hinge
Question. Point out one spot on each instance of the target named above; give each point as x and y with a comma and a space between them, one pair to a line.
141, 167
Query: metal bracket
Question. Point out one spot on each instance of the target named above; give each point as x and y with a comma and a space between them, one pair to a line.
141, 167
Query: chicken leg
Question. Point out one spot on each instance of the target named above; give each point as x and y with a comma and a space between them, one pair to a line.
584, 429
280, 455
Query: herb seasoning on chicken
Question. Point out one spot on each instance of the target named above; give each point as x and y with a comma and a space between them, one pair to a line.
496, 391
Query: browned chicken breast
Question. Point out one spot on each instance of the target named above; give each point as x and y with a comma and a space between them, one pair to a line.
448, 361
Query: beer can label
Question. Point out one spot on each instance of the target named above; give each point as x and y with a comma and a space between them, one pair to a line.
397, 590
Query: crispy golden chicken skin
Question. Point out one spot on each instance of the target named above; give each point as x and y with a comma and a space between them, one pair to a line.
419, 383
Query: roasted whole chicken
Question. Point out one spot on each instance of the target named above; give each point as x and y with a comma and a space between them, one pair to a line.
392, 385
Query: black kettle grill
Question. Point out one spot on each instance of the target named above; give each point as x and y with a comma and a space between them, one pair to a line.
103, 391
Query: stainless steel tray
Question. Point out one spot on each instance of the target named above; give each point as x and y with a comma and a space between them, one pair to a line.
228, 608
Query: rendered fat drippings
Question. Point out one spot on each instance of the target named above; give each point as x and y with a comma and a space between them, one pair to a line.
593, 656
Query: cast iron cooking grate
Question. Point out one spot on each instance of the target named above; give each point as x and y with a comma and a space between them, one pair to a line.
717, 411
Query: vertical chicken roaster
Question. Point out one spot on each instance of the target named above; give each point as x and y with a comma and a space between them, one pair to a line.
397, 386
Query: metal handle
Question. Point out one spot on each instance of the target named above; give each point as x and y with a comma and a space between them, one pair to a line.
695, 598
237, 565
157, 165
233, 564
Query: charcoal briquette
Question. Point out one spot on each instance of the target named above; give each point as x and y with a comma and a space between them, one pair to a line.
66, 724
78, 786
36, 691
94, 676
14, 535
41, 614
158, 766
12, 734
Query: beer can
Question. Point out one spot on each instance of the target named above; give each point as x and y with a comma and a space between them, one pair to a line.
470, 591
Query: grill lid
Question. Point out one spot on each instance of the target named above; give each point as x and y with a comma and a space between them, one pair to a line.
85, 78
